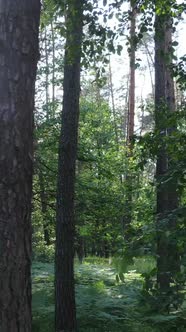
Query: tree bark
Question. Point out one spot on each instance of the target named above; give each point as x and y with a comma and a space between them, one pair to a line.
167, 198
65, 224
19, 25
127, 220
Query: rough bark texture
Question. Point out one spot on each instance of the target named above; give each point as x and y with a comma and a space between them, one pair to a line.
19, 23
167, 198
64, 286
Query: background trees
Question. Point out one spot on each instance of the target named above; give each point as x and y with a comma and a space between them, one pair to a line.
103, 160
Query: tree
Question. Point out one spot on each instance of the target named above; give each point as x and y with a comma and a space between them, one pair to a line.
19, 25
65, 225
132, 54
167, 196
99, 191
131, 114
47, 129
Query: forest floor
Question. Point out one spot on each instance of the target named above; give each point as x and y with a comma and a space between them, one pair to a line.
103, 303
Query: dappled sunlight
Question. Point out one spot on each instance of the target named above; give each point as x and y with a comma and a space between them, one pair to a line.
102, 304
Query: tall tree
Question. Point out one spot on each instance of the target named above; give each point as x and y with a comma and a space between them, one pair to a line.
65, 224
131, 115
167, 197
19, 25
132, 54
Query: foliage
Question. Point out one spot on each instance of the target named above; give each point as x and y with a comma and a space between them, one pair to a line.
124, 296
102, 305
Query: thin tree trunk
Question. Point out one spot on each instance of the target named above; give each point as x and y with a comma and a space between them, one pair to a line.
114, 111
46, 77
149, 56
113, 103
125, 116
132, 77
65, 308
19, 29
43, 199
53, 69
131, 113
80, 248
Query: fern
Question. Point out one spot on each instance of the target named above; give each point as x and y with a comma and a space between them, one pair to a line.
102, 304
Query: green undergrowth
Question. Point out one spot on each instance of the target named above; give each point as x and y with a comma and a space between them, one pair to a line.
103, 304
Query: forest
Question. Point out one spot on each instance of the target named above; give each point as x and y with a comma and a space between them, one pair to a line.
92, 166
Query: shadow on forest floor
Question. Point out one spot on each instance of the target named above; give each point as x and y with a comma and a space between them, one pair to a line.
102, 304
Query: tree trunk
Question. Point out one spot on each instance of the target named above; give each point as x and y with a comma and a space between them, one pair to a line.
127, 220
80, 248
150, 63
167, 198
65, 224
113, 103
44, 206
19, 25
53, 69
132, 76
46, 77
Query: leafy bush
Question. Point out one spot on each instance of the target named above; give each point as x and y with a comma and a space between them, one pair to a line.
43, 253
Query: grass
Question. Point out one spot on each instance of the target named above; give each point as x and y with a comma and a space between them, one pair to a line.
103, 305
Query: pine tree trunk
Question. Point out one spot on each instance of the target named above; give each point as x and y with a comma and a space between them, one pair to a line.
130, 127
65, 224
19, 24
167, 198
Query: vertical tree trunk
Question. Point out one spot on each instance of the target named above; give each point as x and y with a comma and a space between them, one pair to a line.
126, 112
80, 248
150, 63
113, 103
53, 69
167, 198
64, 285
132, 75
19, 25
173, 196
130, 130
44, 206
46, 77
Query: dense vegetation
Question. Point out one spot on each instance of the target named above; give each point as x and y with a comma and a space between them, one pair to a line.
103, 304
109, 170
121, 205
